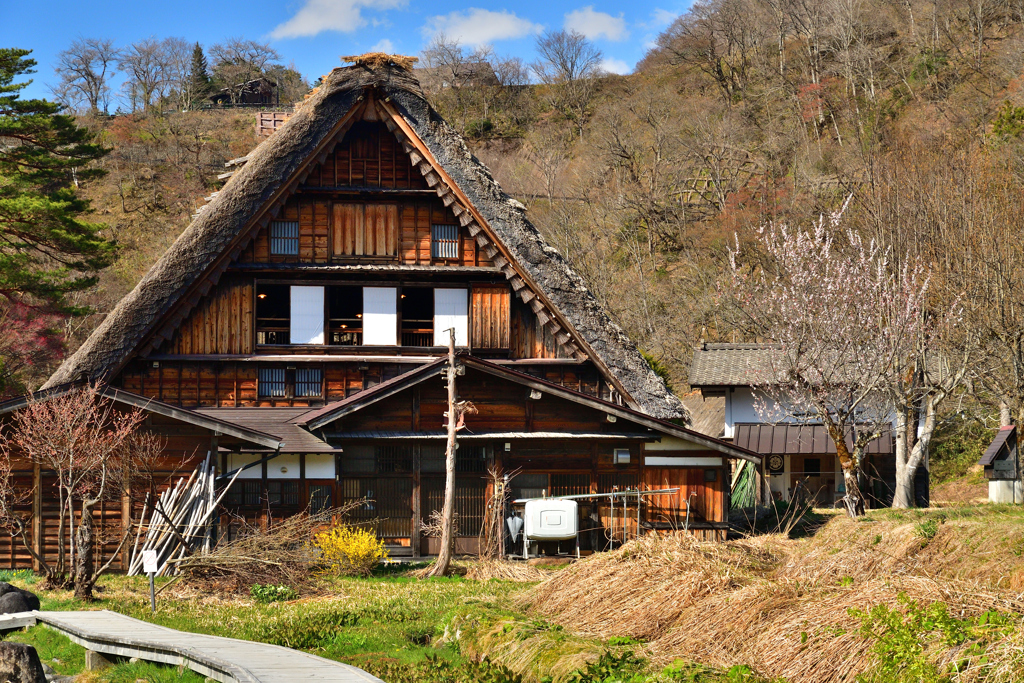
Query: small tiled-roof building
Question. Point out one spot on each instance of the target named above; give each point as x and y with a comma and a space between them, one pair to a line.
793, 451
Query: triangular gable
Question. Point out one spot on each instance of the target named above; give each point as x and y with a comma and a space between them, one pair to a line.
323, 418
149, 314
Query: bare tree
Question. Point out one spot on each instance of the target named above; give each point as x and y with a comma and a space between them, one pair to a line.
841, 324
457, 410
148, 65
179, 84
95, 452
239, 61
84, 70
458, 79
569, 65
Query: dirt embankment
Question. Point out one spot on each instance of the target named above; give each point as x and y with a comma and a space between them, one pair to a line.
786, 607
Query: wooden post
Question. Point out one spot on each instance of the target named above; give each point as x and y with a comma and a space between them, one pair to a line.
417, 500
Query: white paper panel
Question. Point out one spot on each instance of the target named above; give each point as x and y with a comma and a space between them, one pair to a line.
307, 326
236, 460
451, 307
320, 466
380, 316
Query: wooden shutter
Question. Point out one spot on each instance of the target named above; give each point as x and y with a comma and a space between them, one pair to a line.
365, 230
490, 317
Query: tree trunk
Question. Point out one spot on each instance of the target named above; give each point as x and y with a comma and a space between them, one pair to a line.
84, 566
911, 458
444, 557
1005, 419
853, 500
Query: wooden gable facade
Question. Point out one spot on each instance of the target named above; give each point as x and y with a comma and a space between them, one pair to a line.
309, 304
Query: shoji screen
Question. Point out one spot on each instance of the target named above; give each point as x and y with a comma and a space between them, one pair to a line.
380, 316
451, 310
307, 324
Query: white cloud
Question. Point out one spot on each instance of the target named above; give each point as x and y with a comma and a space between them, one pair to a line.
476, 26
661, 18
317, 16
594, 24
616, 66
384, 46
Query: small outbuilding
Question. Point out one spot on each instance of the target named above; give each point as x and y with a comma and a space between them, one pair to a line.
1002, 468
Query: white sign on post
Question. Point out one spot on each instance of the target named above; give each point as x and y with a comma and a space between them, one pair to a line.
150, 565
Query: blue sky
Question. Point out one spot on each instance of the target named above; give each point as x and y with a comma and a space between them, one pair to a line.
312, 34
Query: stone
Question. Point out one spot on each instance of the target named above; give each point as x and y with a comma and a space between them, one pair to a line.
19, 663
28, 598
94, 661
12, 603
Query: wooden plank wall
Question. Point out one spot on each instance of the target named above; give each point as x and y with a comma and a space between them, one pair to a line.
530, 339
233, 384
365, 229
489, 326
368, 156
313, 216
709, 501
220, 324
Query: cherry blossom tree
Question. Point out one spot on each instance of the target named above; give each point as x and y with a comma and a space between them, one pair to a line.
96, 453
850, 337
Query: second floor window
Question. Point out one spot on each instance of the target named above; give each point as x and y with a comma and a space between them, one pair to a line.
272, 383
308, 383
444, 241
284, 238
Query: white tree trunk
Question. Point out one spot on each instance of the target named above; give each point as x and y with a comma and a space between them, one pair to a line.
444, 557
908, 462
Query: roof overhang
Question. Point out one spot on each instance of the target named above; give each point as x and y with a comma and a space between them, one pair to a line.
149, 405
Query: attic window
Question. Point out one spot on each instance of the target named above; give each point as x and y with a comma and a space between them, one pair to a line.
284, 238
444, 241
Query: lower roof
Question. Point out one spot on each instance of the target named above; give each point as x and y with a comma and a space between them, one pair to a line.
799, 439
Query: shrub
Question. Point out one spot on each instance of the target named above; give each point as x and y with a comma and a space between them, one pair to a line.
348, 551
271, 593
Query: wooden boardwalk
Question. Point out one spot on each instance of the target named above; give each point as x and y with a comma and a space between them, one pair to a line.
223, 659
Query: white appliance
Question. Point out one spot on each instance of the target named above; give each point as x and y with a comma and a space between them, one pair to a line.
550, 519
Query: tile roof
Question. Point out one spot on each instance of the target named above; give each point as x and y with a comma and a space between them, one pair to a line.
275, 421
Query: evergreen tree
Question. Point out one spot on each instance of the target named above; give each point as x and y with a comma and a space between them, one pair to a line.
199, 76
47, 250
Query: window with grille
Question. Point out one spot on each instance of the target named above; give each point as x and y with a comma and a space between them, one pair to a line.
444, 241
284, 238
244, 493
319, 497
272, 383
309, 383
283, 493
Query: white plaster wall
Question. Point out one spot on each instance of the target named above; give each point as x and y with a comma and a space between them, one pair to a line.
1006, 491
320, 466
672, 443
236, 460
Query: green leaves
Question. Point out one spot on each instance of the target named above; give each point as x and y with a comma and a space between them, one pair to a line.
47, 250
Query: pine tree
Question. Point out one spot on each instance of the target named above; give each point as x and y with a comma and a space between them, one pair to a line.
199, 76
47, 250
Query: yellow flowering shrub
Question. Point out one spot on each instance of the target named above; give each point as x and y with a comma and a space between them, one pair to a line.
348, 551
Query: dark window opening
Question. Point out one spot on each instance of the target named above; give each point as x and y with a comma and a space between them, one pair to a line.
345, 315
273, 314
417, 307
283, 493
607, 483
244, 493
309, 383
444, 241
319, 497
710, 475
812, 467
272, 383
390, 459
284, 238
471, 458
569, 485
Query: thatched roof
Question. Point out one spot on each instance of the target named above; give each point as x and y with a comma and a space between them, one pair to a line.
220, 231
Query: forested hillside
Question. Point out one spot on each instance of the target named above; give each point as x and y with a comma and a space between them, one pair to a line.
745, 111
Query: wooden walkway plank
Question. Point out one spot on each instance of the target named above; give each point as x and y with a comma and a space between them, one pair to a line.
223, 659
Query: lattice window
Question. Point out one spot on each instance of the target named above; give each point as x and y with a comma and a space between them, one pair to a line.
244, 494
444, 241
319, 497
569, 485
272, 383
390, 458
309, 383
283, 493
618, 481
284, 238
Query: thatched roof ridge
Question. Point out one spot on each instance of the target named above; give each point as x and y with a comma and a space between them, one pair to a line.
273, 162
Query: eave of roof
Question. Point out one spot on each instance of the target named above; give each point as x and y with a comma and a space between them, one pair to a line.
151, 405
998, 443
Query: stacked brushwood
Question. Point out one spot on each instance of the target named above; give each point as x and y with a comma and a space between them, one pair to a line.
278, 554
179, 520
